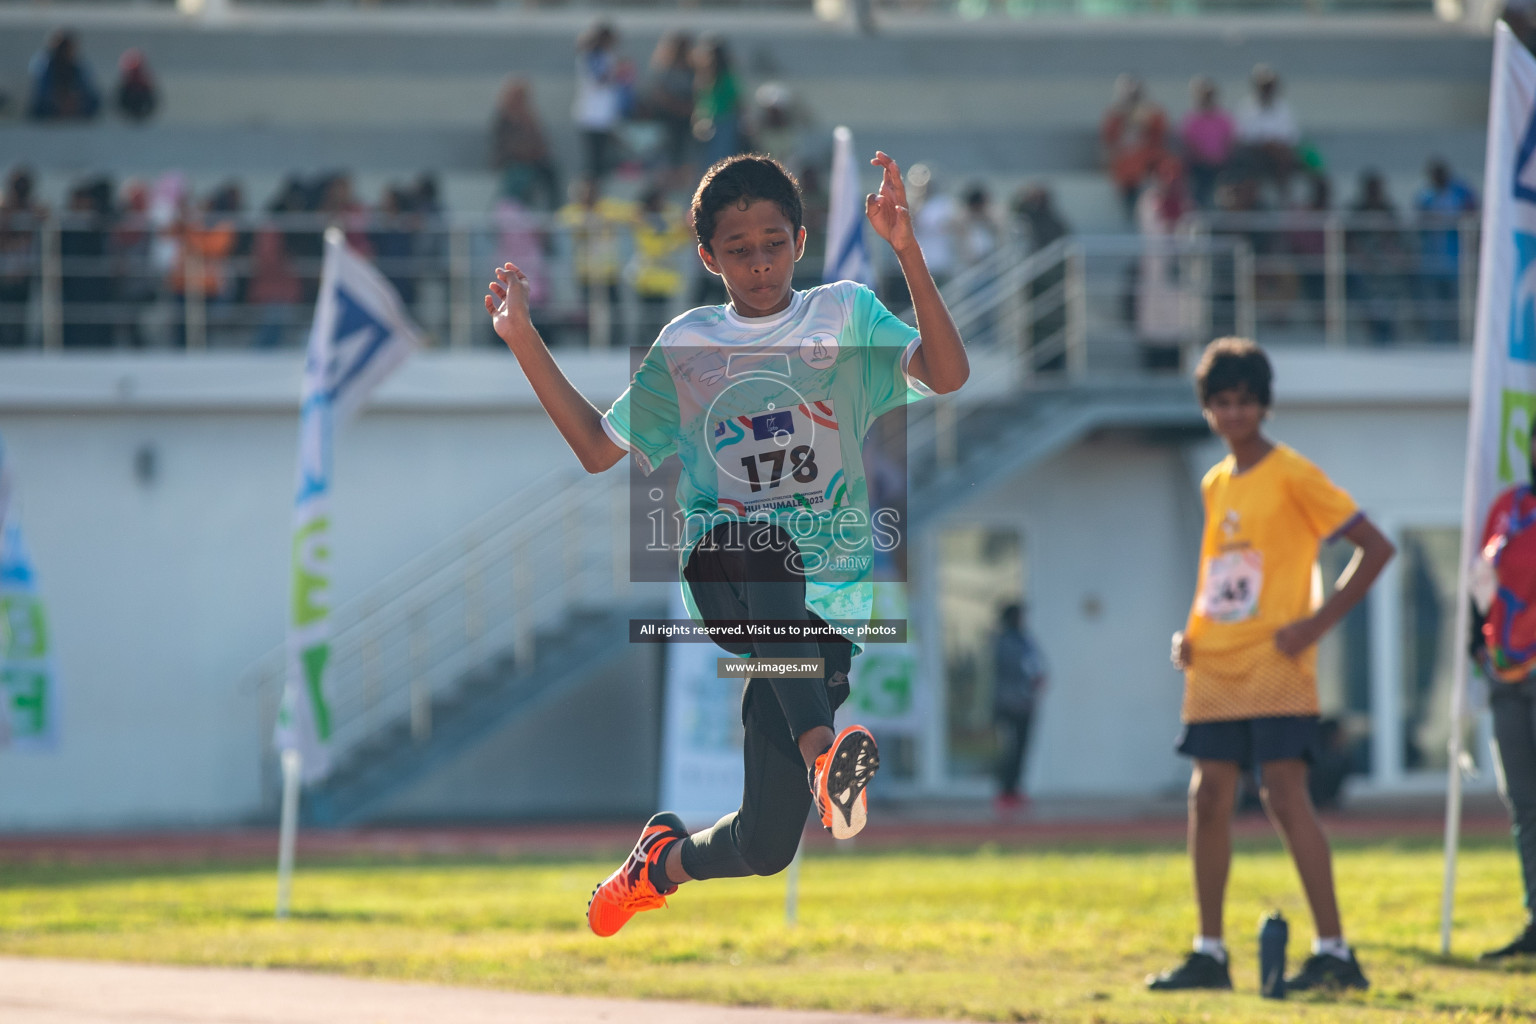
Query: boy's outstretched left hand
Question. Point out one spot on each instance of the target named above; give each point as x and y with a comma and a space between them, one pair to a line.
887, 210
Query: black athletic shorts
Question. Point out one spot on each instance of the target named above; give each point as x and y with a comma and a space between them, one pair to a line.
1252, 741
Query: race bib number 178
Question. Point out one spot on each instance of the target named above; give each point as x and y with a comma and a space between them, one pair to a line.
783, 458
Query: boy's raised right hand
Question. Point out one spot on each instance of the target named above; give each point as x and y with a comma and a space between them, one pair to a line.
508, 303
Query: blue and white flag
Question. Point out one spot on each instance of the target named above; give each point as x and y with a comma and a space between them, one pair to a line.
1502, 410
361, 333
29, 688
847, 256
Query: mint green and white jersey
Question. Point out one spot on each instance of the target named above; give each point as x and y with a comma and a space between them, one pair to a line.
768, 418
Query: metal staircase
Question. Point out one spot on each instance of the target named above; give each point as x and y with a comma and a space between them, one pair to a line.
519, 607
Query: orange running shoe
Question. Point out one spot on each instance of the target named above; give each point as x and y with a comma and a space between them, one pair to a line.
628, 890
839, 781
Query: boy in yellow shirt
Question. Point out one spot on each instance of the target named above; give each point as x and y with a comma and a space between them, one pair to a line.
1249, 658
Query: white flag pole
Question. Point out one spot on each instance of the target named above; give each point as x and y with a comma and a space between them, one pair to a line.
293, 765
1474, 498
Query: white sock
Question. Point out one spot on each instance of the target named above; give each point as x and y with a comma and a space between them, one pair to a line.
1213, 947
1333, 947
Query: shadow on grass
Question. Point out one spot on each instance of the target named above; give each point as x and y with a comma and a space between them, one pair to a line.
1465, 961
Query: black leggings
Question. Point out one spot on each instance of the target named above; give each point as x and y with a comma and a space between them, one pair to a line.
752, 572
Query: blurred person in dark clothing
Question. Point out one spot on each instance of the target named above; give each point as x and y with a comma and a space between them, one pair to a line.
1019, 677
1441, 204
520, 150
394, 238
667, 99
20, 215
135, 284
86, 285
137, 94
1041, 224
1376, 257
62, 86
275, 287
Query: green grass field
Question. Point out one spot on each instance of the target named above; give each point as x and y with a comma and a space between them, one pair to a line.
1060, 935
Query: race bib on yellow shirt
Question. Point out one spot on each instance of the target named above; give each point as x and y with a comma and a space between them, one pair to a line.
780, 459
1233, 582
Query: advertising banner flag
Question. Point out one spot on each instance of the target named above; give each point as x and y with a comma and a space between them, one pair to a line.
29, 687
360, 334
1503, 401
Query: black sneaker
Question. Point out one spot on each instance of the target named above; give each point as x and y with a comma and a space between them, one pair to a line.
1199, 970
1326, 971
1523, 944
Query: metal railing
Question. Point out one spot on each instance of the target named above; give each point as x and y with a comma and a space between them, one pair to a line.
479, 596
1121, 307
76, 282
216, 281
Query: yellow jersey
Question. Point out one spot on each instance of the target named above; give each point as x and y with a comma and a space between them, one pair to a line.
1258, 572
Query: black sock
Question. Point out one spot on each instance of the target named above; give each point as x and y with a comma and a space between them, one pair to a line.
656, 871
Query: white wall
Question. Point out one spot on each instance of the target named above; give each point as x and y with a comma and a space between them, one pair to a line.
161, 594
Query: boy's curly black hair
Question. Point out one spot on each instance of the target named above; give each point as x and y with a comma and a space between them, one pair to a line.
1229, 363
738, 180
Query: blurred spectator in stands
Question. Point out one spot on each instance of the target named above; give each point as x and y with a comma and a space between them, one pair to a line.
20, 215
599, 103
341, 207
1207, 133
814, 203
1375, 257
137, 95
393, 238
717, 101
1164, 304
978, 232
1441, 204
780, 123
519, 149
1306, 240
1267, 131
935, 222
667, 98
1040, 225
1133, 134
597, 226
431, 245
521, 241
62, 86
275, 288
131, 246
661, 240
208, 234
1520, 16
86, 285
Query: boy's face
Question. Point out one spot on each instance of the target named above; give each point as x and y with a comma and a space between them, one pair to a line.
1234, 414
755, 250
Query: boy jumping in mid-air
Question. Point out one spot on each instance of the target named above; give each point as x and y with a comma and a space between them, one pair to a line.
1250, 660
765, 401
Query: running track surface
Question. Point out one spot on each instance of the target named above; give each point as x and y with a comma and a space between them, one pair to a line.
606, 839
60, 992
